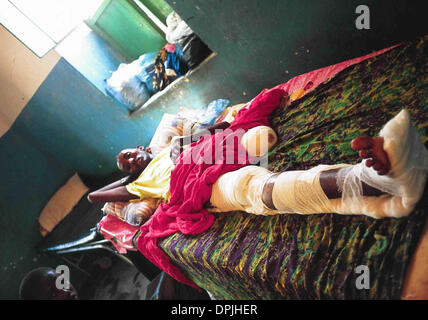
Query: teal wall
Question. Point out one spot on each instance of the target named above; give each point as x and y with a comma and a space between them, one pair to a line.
95, 59
264, 43
79, 125
29, 177
67, 126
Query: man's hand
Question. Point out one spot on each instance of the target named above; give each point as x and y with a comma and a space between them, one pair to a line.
178, 142
176, 148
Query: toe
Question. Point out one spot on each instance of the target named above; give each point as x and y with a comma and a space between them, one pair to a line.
369, 163
377, 165
365, 153
383, 171
362, 143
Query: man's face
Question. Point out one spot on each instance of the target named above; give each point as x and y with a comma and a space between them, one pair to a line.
133, 160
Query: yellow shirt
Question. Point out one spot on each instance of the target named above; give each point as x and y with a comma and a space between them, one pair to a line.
153, 182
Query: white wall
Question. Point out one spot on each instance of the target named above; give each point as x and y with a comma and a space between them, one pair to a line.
21, 73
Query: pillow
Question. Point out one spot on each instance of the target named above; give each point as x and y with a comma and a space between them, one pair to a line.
185, 123
61, 204
191, 127
119, 233
207, 116
213, 111
134, 213
168, 128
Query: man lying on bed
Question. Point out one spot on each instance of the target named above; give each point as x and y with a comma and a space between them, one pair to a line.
402, 145
387, 183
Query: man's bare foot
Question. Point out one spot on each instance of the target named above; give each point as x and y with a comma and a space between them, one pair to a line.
371, 148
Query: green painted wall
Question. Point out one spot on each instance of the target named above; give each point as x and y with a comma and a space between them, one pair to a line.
69, 125
159, 8
123, 27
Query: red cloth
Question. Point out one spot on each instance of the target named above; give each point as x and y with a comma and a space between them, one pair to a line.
192, 180
318, 76
170, 47
118, 232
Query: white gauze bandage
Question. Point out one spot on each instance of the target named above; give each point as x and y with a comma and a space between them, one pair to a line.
241, 190
404, 184
301, 192
258, 140
293, 191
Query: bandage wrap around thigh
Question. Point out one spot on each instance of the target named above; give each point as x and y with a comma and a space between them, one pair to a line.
404, 184
241, 190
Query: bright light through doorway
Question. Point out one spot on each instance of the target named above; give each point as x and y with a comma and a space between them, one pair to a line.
42, 24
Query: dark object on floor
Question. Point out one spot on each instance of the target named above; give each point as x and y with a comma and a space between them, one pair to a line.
41, 284
148, 269
163, 287
194, 51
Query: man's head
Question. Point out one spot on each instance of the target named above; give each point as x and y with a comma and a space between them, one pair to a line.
40, 284
133, 160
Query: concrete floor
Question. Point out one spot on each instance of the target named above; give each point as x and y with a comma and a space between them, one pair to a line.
121, 281
114, 279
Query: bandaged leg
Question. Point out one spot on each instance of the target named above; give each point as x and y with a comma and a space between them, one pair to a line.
241, 190
293, 191
405, 182
301, 191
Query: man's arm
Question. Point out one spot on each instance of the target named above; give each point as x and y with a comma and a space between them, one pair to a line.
177, 144
115, 191
118, 183
117, 194
210, 130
